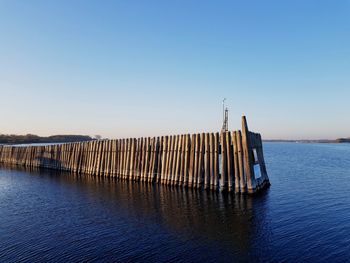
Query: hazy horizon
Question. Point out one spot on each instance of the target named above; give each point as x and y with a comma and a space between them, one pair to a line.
156, 135
136, 69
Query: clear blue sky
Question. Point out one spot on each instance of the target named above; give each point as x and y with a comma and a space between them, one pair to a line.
143, 68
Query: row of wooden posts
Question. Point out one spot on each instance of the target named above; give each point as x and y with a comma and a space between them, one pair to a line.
213, 161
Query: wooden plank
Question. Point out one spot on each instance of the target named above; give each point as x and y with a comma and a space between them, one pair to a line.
85, 149
242, 180
103, 158
230, 169
170, 160
114, 158
132, 159
79, 160
90, 160
216, 161
99, 157
125, 159
136, 159
164, 159
142, 158
147, 158
223, 176
128, 159
118, 157
155, 160
93, 157
177, 161
78, 157
110, 159
107, 158
175, 152
187, 150
192, 158
182, 160
206, 162
159, 159
86, 160
235, 162
96, 158
151, 160
200, 176
196, 155
122, 159
248, 157
89, 165
81, 157
139, 159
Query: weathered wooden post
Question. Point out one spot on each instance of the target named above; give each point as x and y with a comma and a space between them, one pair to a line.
196, 160
187, 158
230, 160
206, 163
212, 160
200, 178
248, 157
192, 157
223, 178
216, 160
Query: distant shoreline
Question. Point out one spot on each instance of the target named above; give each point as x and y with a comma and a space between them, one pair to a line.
31, 138
340, 140
34, 139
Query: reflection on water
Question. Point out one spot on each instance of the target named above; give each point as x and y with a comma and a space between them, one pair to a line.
193, 216
304, 216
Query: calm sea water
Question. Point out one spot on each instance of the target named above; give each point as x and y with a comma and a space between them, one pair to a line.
303, 217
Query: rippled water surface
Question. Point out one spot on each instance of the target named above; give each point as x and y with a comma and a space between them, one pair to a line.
304, 216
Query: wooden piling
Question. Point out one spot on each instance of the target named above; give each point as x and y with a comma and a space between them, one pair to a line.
230, 160
208, 160
248, 157
206, 163
223, 176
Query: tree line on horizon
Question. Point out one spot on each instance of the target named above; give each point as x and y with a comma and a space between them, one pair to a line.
32, 138
340, 140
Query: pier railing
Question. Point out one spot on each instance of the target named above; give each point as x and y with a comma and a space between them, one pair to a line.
226, 161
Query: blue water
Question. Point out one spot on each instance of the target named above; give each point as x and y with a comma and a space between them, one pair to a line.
303, 217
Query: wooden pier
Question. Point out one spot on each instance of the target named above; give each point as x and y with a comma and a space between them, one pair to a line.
226, 161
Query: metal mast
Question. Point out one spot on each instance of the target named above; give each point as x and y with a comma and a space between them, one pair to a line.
224, 117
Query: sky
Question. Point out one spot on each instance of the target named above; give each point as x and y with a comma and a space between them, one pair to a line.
147, 68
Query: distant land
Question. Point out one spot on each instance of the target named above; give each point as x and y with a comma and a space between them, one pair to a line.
31, 138
340, 140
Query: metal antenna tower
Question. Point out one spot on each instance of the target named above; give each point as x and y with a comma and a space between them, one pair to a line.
224, 116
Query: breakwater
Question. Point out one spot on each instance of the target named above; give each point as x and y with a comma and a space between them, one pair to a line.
226, 161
